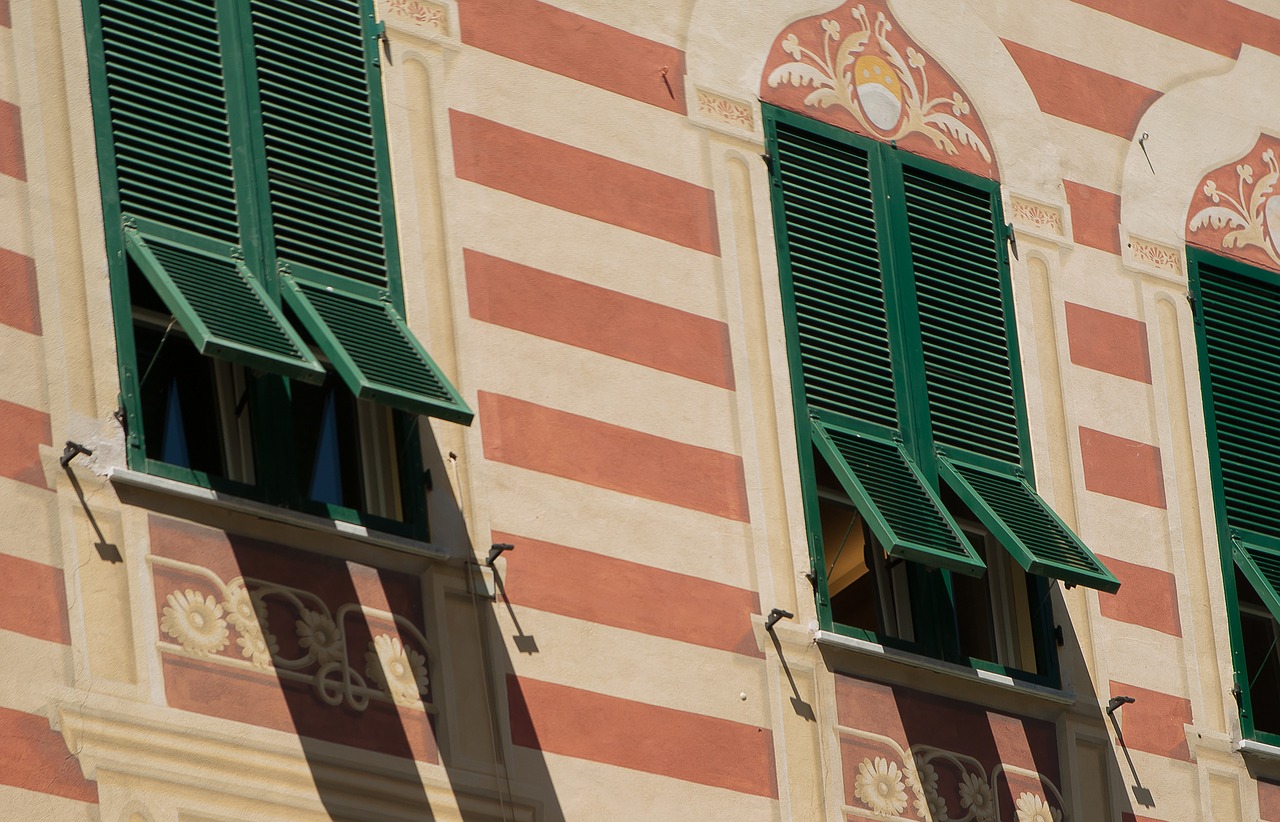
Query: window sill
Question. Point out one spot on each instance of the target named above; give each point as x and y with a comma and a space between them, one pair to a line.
1261, 750
1003, 681
310, 522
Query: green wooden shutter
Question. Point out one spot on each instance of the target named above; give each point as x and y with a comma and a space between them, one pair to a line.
833, 259
220, 305
898, 503
168, 113
964, 333
330, 200
373, 350
1261, 566
1025, 525
1241, 317
1240, 313
328, 209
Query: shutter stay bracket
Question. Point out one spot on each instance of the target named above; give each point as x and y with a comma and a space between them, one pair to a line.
1013, 240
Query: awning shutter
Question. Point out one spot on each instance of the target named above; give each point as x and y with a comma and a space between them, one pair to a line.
373, 350
221, 306
1025, 525
888, 489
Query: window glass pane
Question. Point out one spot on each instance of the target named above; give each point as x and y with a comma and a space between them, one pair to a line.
1262, 665
328, 443
179, 401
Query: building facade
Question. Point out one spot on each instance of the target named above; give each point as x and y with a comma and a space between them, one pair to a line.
520, 410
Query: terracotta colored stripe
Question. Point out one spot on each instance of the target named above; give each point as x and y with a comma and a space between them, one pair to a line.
1268, 801
292, 707
619, 325
33, 600
582, 182
1095, 216
1147, 597
1122, 468
1216, 25
1081, 94
21, 436
1154, 723
12, 158
35, 758
577, 47
19, 297
1126, 816
610, 456
1108, 342
630, 595
6, 19
587, 725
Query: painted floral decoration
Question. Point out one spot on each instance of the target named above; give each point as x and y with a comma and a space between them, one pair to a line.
400, 671
247, 615
864, 73
975, 796
923, 781
880, 786
195, 621
318, 634
1032, 808
1251, 212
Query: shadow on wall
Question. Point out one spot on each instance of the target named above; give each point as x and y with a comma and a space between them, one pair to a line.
905, 752
398, 699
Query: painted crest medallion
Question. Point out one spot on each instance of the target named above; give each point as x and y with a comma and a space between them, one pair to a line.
854, 68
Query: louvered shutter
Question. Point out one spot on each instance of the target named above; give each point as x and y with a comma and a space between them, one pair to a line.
330, 199
373, 350
898, 503
224, 310
955, 257
167, 104
833, 258
1240, 315
967, 341
1025, 525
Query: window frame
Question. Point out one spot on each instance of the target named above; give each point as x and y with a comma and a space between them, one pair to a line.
930, 588
269, 404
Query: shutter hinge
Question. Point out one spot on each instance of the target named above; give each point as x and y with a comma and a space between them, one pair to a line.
768, 162
1013, 240
380, 39
1195, 308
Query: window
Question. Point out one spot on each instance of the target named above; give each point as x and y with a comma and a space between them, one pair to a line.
911, 430
252, 245
1237, 312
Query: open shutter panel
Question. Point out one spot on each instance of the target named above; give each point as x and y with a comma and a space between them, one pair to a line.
328, 207
1026, 526
888, 489
169, 120
220, 305
1241, 315
373, 350
834, 263
1261, 566
955, 255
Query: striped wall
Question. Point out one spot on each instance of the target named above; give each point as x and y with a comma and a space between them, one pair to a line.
39, 779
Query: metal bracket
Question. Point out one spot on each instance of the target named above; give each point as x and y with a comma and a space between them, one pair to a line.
71, 451
1013, 240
